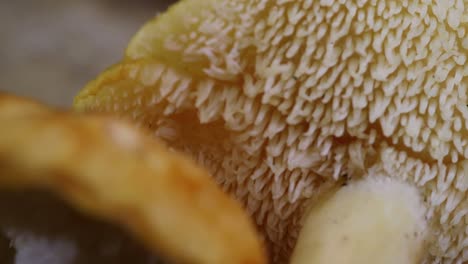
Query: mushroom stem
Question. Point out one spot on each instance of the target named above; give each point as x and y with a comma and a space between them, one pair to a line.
375, 220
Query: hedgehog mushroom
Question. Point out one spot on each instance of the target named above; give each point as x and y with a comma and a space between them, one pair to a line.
284, 100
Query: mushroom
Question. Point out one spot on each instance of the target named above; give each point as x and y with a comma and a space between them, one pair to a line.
111, 174
284, 100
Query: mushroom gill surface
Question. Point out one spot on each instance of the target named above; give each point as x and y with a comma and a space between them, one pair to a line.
280, 99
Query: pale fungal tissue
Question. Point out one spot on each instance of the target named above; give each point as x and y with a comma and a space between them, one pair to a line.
280, 99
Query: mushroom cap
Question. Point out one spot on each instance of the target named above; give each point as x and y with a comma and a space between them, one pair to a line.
279, 99
108, 169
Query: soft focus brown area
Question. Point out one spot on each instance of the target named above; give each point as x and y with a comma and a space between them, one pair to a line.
109, 169
51, 48
40, 228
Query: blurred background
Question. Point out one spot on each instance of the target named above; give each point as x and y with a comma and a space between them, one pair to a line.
50, 49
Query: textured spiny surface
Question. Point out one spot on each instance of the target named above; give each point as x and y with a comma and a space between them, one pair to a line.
280, 98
